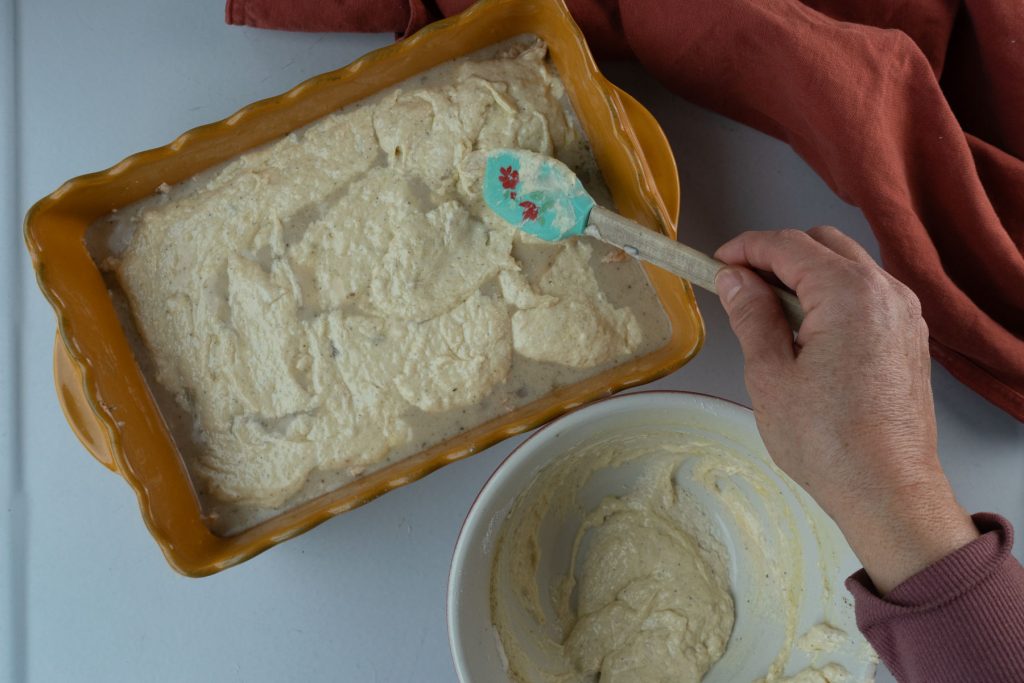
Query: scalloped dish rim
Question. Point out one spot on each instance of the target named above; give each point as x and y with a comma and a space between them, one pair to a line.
99, 383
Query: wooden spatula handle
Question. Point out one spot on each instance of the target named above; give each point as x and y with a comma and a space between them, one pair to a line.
668, 254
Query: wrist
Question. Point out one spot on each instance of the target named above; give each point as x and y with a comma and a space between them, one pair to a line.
898, 538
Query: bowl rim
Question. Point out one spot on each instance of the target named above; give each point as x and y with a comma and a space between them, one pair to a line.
473, 513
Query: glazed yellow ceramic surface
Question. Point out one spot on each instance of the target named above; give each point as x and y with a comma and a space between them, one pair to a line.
101, 387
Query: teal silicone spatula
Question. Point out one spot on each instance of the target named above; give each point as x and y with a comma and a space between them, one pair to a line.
543, 197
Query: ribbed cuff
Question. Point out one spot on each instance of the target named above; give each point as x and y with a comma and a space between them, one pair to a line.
947, 579
959, 620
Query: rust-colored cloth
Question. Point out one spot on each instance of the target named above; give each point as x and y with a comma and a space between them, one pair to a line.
912, 110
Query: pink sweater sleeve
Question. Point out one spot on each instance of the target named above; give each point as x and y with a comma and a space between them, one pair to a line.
960, 620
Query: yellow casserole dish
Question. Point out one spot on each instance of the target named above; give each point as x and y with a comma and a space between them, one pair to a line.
101, 387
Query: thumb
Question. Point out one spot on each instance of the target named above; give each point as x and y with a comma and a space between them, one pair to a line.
756, 317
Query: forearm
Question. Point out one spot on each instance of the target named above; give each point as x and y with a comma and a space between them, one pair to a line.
960, 619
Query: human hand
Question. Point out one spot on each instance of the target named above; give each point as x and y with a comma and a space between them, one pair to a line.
846, 409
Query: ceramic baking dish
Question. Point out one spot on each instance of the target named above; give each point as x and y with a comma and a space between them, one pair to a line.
101, 387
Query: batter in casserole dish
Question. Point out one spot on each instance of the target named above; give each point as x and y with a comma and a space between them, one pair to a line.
342, 298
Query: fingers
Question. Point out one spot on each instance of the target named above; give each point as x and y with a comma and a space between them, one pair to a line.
847, 247
840, 243
756, 317
792, 255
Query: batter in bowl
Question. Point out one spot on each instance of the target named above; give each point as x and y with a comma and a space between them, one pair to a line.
610, 567
652, 605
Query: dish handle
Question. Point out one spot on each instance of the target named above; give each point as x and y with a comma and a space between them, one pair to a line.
71, 394
657, 152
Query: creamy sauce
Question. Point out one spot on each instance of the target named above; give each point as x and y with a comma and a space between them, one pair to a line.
821, 638
830, 673
636, 585
340, 299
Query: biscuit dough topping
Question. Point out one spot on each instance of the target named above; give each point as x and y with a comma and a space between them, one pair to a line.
304, 302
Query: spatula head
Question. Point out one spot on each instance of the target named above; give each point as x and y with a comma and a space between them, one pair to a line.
537, 194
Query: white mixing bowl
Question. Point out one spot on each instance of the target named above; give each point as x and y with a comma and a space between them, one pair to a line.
825, 558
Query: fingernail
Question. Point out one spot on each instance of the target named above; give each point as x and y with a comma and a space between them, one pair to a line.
728, 283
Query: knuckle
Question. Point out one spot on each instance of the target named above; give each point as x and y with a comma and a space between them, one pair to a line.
867, 282
792, 235
860, 293
824, 231
743, 237
853, 280
922, 330
875, 283
913, 304
737, 245
904, 298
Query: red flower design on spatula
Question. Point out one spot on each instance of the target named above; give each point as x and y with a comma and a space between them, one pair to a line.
508, 177
530, 212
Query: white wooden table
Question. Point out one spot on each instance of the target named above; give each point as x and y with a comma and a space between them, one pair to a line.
86, 594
